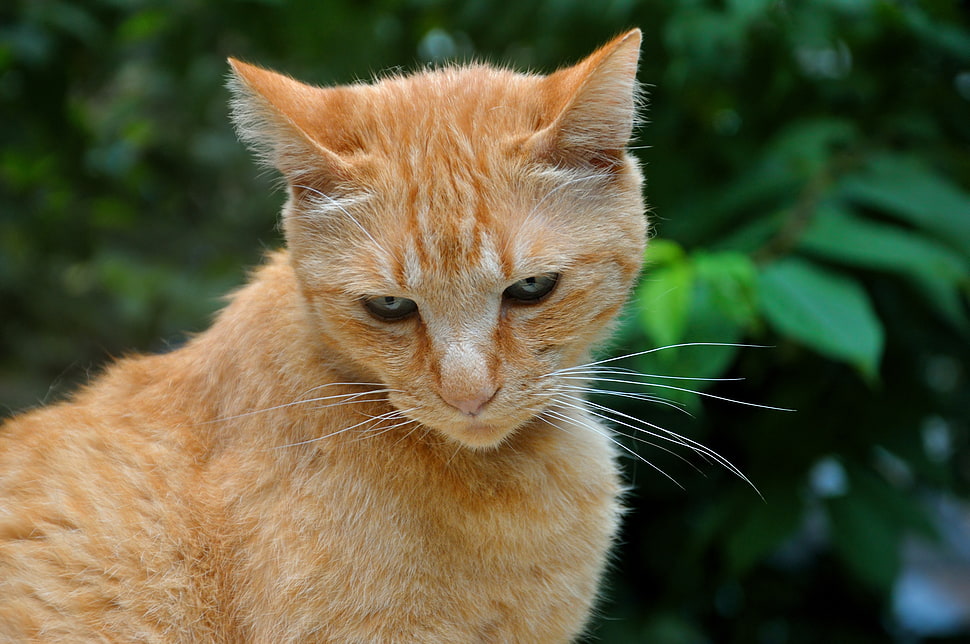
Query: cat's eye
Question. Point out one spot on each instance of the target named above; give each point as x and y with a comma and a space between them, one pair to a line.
388, 307
532, 289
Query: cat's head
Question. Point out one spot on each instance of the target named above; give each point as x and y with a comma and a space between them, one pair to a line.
459, 234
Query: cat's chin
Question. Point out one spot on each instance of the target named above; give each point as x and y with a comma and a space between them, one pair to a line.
476, 434
482, 432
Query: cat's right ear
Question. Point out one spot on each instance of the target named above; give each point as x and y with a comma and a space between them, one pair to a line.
285, 122
591, 107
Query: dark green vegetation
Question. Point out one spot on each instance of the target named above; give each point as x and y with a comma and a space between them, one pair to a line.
808, 168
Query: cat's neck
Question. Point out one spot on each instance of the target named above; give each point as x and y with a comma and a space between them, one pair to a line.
263, 358
259, 355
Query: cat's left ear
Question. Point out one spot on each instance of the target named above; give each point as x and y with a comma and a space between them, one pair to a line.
593, 107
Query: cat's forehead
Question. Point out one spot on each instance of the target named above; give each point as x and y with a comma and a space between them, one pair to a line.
440, 105
450, 196
435, 241
468, 248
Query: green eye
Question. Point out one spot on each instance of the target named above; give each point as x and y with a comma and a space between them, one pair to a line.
388, 307
532, 289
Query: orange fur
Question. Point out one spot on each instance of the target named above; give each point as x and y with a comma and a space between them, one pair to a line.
305, 471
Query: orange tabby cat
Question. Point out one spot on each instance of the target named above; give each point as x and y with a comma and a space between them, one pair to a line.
367, 445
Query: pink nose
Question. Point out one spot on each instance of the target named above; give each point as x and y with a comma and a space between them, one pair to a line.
470, 403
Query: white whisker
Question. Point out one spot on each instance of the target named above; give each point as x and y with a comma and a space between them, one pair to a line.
597, 371
458, 448
343, 403
351, 397
396, 414
674, 438
416, 427
665, 434
663, 348
343, 384
691, 391
651, 429
388, 414
370, 432
563, 417
331, 434
632, 395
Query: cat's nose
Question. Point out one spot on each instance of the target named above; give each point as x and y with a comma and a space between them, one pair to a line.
470, 403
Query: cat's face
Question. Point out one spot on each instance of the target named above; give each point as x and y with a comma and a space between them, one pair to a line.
462, 234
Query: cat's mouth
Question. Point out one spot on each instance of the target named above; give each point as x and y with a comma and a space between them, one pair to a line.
482, 431
478, 434
491, 423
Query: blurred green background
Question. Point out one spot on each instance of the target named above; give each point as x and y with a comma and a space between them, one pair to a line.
808, 171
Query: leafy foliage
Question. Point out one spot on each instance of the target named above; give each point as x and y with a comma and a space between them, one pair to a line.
810, 188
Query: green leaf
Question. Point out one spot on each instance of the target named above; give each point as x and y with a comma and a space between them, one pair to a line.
837, 234
949, 302
827, 311
733, 280
664, 251
908, 189
705, 323
941, 273
706, 297
664, 298
685, 291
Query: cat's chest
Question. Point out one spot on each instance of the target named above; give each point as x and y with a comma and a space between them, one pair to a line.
438, 552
